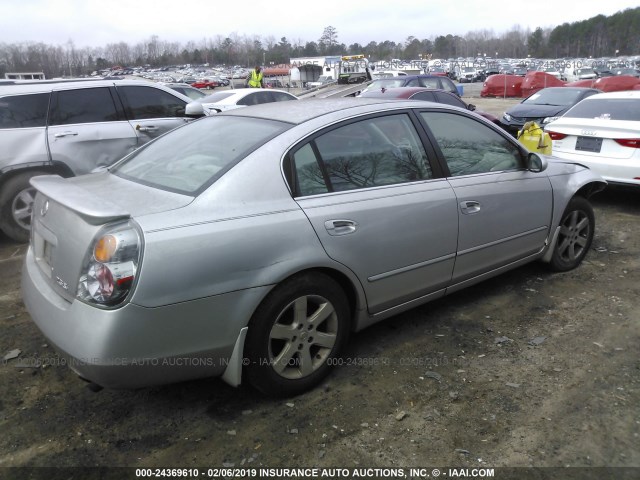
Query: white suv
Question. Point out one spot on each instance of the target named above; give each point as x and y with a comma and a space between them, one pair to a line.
70, 128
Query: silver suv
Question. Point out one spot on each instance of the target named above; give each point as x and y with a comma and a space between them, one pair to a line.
71, 128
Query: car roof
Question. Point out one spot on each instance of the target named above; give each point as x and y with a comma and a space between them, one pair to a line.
308, 109
44, 87
399, 92
624, 94
236, 94
575, 89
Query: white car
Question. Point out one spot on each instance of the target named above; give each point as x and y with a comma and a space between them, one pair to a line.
230, 99
603, 133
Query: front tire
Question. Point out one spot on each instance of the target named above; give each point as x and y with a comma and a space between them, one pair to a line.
576, 234
296, 334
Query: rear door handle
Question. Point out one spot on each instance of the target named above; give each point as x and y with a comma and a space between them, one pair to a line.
65, 134
340, 227
469, 207
150, 128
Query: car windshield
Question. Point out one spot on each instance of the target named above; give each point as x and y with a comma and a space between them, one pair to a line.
192, 157
607, 109
559, 96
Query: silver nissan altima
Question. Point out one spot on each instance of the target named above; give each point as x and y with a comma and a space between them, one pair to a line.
249, 244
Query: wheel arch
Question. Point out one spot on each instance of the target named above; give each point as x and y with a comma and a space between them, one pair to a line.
55, 168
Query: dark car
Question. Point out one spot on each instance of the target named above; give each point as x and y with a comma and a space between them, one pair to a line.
429, 95
428, 81
544, 106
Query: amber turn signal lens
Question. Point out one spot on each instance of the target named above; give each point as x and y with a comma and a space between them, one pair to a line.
105, 248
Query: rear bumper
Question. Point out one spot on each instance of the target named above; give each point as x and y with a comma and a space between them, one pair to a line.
135, 346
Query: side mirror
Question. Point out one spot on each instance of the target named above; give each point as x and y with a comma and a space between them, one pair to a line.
194, 109
471, 107
536, 163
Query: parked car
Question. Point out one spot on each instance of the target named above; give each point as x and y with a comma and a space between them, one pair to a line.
470, 75
578, 74
544, 106
249, 244
429, 81
603, 133
208, 83
429, 95
274, 83
186, 89
231, 99
322, 80
70, 128
626, 71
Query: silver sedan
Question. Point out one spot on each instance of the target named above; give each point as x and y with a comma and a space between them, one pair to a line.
249, 244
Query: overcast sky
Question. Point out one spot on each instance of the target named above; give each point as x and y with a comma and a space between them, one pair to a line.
91, 23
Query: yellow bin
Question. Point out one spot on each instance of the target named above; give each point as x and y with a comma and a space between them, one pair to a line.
535, 138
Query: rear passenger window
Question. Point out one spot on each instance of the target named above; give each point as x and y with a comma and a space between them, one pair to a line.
24, 111
469, 147
84, 105
369, 153
148, 102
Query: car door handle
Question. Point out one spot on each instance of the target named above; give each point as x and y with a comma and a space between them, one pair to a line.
470, 206
340, 227
150, 128
65, 134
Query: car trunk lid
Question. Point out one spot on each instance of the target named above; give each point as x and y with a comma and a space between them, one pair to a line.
592, 138
69, 213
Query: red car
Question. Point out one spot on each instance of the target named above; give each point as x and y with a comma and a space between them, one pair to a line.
205, 83
429, 95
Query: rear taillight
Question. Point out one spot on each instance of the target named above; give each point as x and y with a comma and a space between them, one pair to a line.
628, 142
110, 267
556, 135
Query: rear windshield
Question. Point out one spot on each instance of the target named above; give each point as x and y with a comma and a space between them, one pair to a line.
607, 109
215, 97
190, 158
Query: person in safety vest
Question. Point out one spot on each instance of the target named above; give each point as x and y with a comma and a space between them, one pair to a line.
254, 80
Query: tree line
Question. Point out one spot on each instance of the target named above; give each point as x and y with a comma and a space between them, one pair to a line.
599, 36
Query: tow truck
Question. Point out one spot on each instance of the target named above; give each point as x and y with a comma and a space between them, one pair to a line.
353, 69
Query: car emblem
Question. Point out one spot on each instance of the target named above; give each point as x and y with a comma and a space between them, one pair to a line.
45, 208
590, 133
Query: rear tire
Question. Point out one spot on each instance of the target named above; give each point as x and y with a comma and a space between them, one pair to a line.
296, 334
576, 234
16, 203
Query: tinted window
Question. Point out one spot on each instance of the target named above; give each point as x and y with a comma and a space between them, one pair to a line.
470, 147
193, 156
607, 109
369, 153
23, 111
251, 99
281, 97
449, 99
426, 96
429, 82
148, 102
83, 105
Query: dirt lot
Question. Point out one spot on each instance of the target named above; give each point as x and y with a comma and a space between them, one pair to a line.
528, 369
